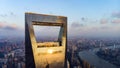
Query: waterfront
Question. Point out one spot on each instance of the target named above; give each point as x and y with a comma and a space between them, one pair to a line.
90, 57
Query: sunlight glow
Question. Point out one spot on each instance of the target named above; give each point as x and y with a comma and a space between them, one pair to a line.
50, 51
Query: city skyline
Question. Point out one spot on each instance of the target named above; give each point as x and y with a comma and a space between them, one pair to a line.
86, 18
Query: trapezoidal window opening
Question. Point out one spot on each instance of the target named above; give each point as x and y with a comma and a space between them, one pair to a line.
47, 36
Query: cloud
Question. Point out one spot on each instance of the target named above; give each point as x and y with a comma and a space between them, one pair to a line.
104, 27
46, 31
3, 15
8, 14
1, 25
103, 21
116, 14
77, 24
116, 21
93, 31
6, 26
93, 21
12, 14
10, 30
84, 19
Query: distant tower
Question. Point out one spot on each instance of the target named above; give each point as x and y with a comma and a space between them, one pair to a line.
45, 54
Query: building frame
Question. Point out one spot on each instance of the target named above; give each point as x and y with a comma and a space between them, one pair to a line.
33, 53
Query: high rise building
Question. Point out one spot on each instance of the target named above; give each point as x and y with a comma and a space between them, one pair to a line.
45, 54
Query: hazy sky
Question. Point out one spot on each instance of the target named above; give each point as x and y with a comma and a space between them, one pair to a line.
85, 17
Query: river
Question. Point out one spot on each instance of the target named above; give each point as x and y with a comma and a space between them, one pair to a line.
94, 60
